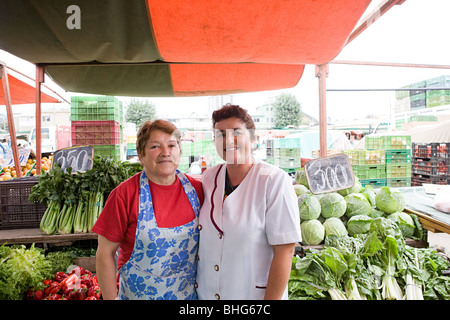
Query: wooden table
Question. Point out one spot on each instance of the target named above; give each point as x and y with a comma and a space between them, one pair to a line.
28, 236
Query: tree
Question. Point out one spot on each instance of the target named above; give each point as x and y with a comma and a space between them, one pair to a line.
139, 111
287, 111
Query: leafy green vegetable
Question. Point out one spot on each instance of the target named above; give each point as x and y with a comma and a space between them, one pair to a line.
20, 269
334, 226
300, 177
390, 201
308, 206
313, 232
359, 224
357, 204
333, 205
357, 187
405, 222
300, 189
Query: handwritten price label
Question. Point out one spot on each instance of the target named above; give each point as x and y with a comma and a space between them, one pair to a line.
329, 174
80, 159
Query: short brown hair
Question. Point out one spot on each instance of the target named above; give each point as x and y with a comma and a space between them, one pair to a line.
234, 111
148, 127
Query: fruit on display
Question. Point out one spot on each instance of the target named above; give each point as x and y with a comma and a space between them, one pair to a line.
29, 169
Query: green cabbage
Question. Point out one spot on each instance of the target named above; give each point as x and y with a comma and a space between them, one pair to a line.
300, 189
300, 177
332, 205
369, 193
405, 222
359, 224
334, 226
390, 201
376, 213
357, 187
313, 232
357, 204
308, 206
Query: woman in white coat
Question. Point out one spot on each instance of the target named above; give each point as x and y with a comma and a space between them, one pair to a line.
249, 222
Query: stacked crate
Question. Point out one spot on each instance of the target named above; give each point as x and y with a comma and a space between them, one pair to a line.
369, 166
397, 157
284, 153
431, 163
438, 97
97, 121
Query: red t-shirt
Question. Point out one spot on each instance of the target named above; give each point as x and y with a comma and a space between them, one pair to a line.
118, 220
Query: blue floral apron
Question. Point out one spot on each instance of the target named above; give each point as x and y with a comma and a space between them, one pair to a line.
163, 264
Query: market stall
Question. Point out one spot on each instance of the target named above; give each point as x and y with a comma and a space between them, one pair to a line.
146, 56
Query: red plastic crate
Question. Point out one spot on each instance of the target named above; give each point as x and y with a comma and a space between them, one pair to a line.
95, 132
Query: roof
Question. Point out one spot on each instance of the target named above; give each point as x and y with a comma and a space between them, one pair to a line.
176, 48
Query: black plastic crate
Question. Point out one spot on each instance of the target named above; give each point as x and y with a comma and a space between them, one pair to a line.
419, 179
434, 150
16, 211
434, 166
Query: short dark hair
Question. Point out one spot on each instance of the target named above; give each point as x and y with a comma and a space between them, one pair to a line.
234, 111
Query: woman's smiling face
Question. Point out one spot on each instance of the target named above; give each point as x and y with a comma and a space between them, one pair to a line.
162, 156
233, 141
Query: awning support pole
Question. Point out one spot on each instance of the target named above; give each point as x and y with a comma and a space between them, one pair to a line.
9, 113
322, 73
39, 81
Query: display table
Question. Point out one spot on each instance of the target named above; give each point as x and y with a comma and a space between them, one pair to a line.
421, 204
28, 236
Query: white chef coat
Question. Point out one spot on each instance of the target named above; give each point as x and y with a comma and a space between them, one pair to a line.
237, 234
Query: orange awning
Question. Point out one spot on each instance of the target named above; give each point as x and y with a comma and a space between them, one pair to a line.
177, 48
22, 93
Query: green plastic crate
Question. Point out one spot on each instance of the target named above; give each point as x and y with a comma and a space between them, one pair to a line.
364, 157
375, 183
387, 142
398, 156
398, 170
96, 108
286, 153
398, 182
108, 151
367, 172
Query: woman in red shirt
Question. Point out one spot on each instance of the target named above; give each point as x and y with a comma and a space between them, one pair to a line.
152, 219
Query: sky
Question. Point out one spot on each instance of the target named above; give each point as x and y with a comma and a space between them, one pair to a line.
414, 32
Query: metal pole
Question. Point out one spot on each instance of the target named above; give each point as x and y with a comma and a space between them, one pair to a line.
9, 113
39, 80
322, 73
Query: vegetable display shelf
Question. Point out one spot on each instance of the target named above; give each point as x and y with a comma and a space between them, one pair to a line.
34, 235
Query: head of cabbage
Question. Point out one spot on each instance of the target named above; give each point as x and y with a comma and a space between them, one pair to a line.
308, 207
359, 224
313, 232
390, 201
369, 193
357, 187
300, 189
405, 223
333, 205
334, 226
357, 204
300, 177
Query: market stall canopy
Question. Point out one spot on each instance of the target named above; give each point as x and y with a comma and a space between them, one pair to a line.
22, 93
176, 48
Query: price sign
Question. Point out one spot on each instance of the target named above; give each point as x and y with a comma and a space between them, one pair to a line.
329, 174
80, 159
24, 154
